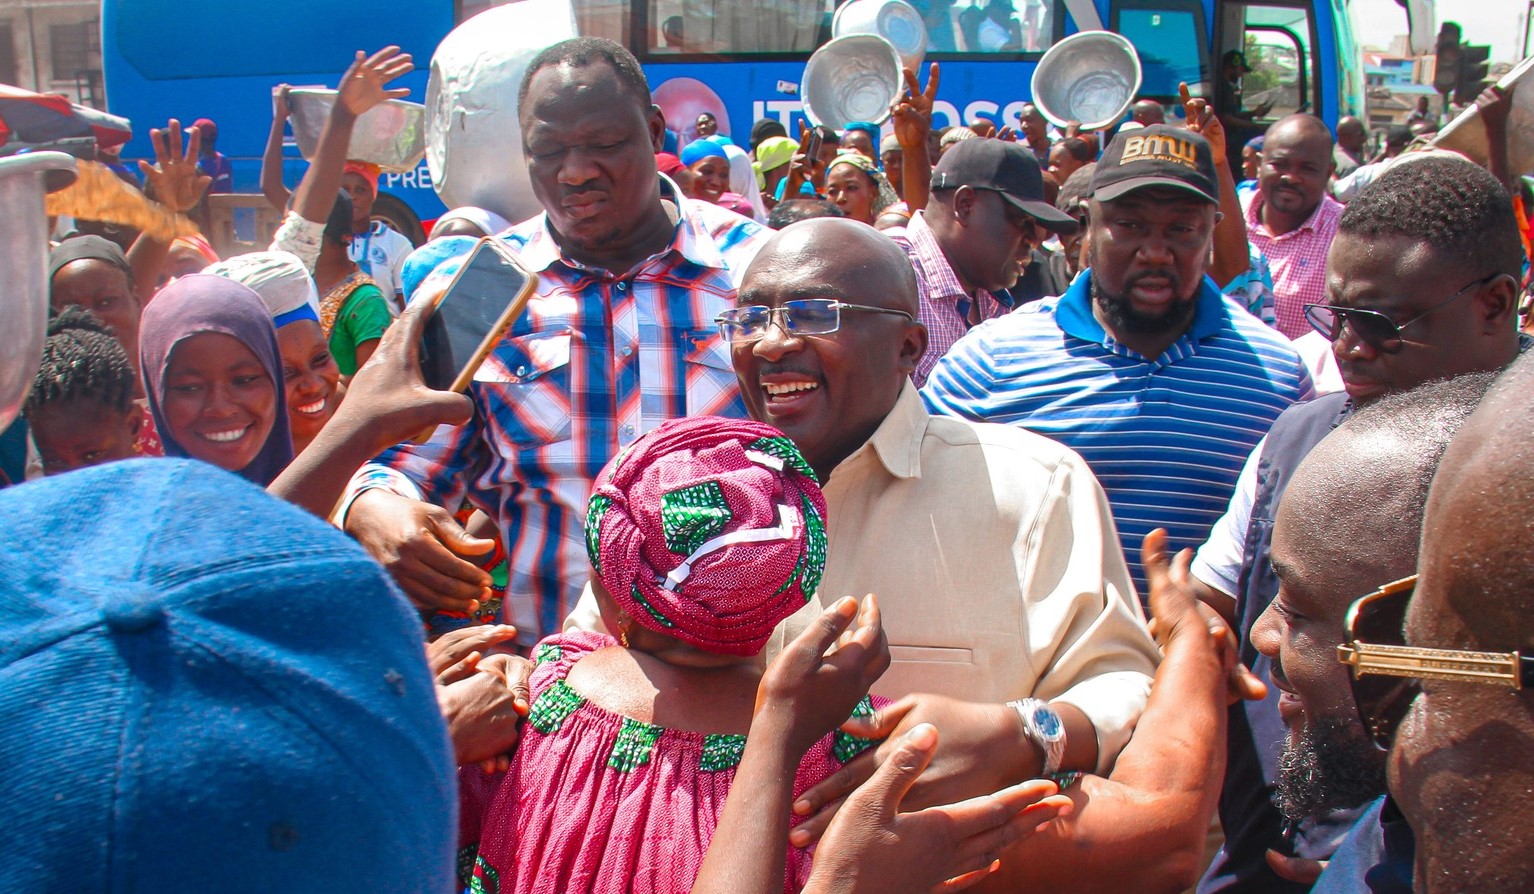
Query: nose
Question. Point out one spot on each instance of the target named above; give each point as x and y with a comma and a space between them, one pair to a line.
1156, 251
777, 342
1347, 346
1265, 633
220, 403
576, 167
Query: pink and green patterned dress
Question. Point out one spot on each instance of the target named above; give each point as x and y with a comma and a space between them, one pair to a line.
600, 803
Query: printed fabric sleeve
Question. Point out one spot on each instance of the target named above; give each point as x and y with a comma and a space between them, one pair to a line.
1219, 560
1085, 626
301, 237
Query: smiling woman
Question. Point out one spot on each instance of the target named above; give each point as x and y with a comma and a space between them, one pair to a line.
211, 366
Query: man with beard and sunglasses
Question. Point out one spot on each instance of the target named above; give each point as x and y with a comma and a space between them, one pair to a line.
1350, 519
1422, 282
1162, 384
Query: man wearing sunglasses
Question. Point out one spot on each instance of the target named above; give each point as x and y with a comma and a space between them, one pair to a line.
1463, 753
1421, 286
1350, 518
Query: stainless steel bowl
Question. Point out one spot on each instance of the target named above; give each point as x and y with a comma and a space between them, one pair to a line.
474, 141
1091, 77
894, 20
392, 136
851, 78
24, 286
1467, 133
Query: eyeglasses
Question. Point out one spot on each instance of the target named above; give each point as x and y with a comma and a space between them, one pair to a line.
807, 316
1386, 670
1370, 325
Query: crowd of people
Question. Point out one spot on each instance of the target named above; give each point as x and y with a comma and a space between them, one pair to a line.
902, 509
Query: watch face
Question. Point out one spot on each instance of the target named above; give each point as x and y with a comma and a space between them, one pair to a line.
1048, 723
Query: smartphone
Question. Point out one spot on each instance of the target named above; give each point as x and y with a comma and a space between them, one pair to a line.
812, 151
488, 294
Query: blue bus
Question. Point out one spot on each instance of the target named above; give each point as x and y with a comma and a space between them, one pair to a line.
743, 59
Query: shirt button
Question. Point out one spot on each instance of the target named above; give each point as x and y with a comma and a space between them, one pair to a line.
622, 286
521, 371
628, 351
628, 431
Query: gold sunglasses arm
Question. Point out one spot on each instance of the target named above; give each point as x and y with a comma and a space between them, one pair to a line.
1492, 668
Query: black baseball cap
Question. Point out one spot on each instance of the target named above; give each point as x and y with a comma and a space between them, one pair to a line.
1159, 155
1007, 168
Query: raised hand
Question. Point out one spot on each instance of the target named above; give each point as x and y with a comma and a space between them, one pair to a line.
365, 83
912, 111
280, 108
1176, 611
174, 179
1203, 120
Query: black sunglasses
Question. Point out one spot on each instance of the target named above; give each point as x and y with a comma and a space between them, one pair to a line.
1372, 326
1386, 670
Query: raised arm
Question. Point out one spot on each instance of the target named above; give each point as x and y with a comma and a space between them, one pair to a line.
1231, 255
912, 116
272, 187
175, 181
362, 87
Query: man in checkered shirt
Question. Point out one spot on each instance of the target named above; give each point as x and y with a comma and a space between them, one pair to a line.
986, 213
619, 337
1292, 220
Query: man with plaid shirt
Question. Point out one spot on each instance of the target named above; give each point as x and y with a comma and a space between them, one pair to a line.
619, 338
974, 238
1292, 220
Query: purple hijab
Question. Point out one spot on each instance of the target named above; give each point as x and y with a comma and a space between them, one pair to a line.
208, 303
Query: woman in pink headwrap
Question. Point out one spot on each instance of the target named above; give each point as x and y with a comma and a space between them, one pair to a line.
703, 536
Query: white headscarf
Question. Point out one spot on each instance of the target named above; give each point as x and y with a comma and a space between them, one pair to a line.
743, 181
488, 221
279, 278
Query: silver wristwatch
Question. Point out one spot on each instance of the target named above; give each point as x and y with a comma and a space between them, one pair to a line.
1043, 725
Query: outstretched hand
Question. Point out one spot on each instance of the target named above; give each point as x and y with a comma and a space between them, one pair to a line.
1203, 120
1177, 612
174, 179
816, 681
872, 846
364, 85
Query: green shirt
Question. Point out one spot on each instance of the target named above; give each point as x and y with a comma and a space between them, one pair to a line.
363, 318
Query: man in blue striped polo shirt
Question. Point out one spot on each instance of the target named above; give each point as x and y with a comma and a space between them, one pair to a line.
1142, 367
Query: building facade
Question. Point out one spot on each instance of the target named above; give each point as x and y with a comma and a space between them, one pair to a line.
53, 46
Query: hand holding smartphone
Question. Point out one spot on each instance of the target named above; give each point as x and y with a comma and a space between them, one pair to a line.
487, 295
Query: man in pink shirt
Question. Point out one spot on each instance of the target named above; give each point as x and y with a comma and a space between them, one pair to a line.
1292, 220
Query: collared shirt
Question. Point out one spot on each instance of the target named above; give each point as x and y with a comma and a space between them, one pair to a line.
1167, 437
1377, 857
597, 360
992, 553
944, 305
381, 253
1297, 259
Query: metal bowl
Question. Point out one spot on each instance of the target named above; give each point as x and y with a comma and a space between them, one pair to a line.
474, 141
392, 136
24, 287
1090, 77
1467, 133
851, 78
894, 20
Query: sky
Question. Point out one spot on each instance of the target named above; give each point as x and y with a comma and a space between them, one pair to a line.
1499, 23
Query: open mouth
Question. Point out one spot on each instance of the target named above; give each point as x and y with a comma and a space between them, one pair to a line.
787, 395
227, 436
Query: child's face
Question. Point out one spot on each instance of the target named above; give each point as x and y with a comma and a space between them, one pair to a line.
219, 402
83, 433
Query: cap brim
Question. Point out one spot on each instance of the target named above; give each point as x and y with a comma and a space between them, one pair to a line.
1110, 191
1046, 214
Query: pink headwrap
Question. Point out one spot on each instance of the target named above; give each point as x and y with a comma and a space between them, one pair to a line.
366, 170
709, 530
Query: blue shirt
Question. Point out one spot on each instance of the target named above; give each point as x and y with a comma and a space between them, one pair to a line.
1166, 437
1377, 857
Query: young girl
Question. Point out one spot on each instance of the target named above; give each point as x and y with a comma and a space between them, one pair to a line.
312, 380
213, 373
81, 409
703, 536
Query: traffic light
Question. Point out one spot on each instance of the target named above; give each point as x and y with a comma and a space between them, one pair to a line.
1472, 72
1446, 74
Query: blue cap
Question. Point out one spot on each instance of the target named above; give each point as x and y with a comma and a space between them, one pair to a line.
205, 688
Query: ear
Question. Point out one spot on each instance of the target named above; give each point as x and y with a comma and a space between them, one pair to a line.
135, 421
964, 199
913, 346
657, 124
1496, 301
